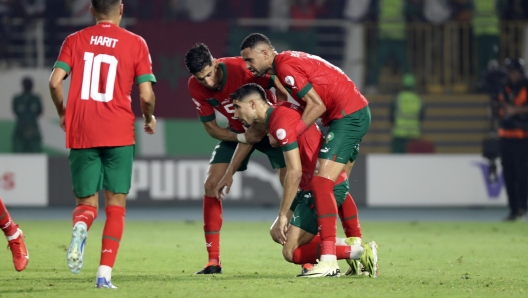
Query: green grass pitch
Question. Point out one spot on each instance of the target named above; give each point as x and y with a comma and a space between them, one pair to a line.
158, 259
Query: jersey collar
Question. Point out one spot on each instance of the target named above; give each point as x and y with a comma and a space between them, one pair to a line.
268, 115
224, 76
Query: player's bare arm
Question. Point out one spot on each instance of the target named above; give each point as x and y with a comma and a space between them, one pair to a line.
280, 92
224, 185
55, 86
255, 133
291, 185
219, 133
313, 110
148, 99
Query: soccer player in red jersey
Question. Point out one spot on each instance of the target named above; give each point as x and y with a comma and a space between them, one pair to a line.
325, 92
104, 61
211, 83
300, 154
15, 238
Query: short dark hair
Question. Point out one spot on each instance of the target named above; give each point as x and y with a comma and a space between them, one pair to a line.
104, 6
197, 58
254, 39
248, 89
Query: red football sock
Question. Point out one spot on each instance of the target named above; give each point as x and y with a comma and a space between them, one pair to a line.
7, 225
112, 233
348, 213
325, 205
311, 252
212, 214
84, 213
316, 239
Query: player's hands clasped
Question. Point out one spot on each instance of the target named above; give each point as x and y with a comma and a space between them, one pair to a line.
150, 127
223, 187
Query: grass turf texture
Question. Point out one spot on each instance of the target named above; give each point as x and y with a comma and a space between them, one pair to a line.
158, 259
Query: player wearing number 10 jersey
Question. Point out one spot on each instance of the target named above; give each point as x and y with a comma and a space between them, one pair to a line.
104, 61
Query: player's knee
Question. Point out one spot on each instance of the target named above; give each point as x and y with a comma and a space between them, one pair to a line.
210, 185
287, 253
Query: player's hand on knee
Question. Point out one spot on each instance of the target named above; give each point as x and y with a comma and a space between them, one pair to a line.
223, 187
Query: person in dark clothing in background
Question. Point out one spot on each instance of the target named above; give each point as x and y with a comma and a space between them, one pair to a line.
513, 133
27, 108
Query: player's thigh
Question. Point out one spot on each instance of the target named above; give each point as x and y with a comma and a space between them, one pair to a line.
223, 152
274, 154
117, 168
304, 216
295, 238
344, 135
86, 171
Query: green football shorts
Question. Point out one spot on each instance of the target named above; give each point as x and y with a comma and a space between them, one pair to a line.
303, 207
108, 168
342, 140
224, 151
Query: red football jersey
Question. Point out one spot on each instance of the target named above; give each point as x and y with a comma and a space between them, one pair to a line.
104, 61
235, 75
282, 121
299, 72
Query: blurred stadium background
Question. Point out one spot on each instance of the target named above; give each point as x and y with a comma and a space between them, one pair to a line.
439, 48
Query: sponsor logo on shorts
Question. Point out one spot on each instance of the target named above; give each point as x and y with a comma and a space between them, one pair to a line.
295, 217
325, 149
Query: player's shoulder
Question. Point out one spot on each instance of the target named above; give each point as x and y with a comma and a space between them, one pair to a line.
284, 109
236, 63
195, 88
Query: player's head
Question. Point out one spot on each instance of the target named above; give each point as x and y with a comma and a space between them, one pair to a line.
247, 100
106, 9
515, 68
257, 51
27, 84
201, 64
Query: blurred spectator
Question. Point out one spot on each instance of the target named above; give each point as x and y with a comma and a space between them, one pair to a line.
513, 10
462, 10
27, 108
34, 11
436, 12
486, 29
361, 10
279, 13
5, 22
413, 11
513, 133
392, 43
303, 10
150, 9
80, 11
406, 115
194, 10
492, 82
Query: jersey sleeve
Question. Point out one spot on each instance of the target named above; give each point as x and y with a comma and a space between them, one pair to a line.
65, 60
205, 110
282, 128
143, 69
294, 78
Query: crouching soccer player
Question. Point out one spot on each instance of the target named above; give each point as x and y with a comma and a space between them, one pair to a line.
300, 155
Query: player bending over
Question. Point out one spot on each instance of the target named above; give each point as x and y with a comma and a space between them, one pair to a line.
300, 155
